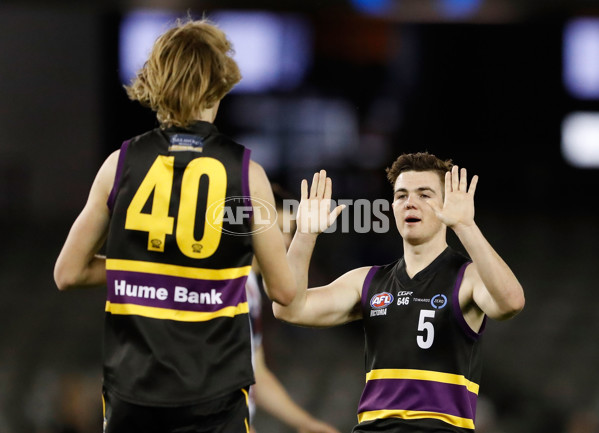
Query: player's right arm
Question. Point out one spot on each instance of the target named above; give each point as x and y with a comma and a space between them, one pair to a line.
331, 305
337, 302
78, 264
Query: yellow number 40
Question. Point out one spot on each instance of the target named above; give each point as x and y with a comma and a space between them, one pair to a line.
158, 223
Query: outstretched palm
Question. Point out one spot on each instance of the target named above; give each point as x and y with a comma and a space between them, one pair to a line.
458, 206
314, 214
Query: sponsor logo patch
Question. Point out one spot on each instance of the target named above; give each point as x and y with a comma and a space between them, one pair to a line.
403, 297
439, 301
186, 142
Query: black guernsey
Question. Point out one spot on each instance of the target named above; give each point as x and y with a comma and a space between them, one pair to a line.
178, 255
423, 361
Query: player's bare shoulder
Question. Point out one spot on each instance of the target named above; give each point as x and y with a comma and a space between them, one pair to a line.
356, 278
107, 171
352, 282
470, 280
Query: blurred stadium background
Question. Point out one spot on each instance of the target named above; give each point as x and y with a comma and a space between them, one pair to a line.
507, 88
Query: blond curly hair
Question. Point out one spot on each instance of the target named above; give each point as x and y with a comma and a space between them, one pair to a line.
189, 69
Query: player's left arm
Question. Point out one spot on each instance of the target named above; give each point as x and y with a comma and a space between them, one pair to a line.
488, 282
78, 264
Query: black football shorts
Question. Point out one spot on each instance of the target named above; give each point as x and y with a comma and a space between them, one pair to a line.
228, 414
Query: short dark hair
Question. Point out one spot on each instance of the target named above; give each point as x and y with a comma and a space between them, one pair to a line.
421, 161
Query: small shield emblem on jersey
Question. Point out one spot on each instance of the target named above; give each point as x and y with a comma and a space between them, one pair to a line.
381, 300
197, 248
156, 243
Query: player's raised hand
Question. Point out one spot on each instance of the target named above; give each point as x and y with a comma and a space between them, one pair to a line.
314, 214
458, 205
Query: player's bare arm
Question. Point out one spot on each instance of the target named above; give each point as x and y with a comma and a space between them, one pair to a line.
331, 305
268, 242
78, 264
489, 285
337, 302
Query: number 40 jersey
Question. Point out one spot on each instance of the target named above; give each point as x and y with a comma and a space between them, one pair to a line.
423, 361
178, 254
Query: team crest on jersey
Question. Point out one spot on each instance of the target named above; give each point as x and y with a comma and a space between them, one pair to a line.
381, 300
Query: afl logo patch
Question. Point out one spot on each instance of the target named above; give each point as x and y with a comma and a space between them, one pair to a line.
381, 300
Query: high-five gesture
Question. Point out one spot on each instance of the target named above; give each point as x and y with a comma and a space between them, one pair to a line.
429, 195
458, 206
314, 214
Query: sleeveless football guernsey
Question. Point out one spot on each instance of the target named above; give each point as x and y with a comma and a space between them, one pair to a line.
423, 361
178, 255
